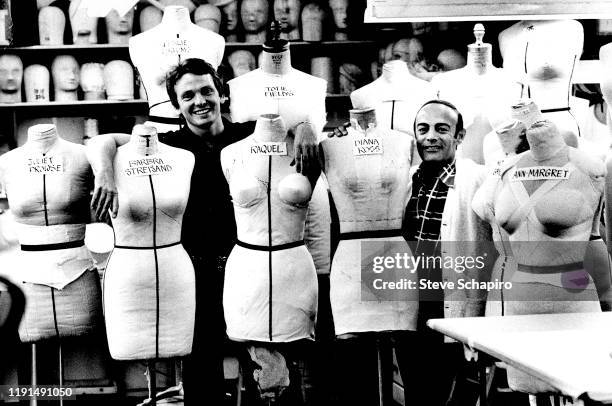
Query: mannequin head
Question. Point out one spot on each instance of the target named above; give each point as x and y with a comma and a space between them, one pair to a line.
92, 81
450, 59
188, 4
36, 80
312, 22
409, 50
208, 16
51, 25
242, 62
362, 119
65, 72
119, 28
340, 10
11, 76
149, 17
119, 80
288, 13
230, 16
84, 27
254, 15
438, 128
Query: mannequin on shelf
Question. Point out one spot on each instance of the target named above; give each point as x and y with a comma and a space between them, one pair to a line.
119, 80
92, 81
160, 48
313, 16
156, 320
208, 16
548, 201
340, 10
51, 25
119, 28
482, 93
396, 96
65, 71
150, 16
229, 10
37, 83
242, 61
11, 77
542, 56
84, 28
288, 13
254, 16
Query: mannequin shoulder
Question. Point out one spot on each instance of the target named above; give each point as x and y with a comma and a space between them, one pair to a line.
230, 153
308, 81
364, 96
509, 163
246, 79
591, 166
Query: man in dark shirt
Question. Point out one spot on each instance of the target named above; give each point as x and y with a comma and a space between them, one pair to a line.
209, 229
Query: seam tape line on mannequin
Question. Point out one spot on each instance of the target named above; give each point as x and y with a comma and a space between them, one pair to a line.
356, 235
392, 112
156, 266
270, 248
269, 188
52, 247
539, 269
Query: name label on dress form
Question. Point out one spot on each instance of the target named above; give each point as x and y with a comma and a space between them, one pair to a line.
540, 173
46, 165
367, 146
278, 92
176, 47
269, 148
147, 166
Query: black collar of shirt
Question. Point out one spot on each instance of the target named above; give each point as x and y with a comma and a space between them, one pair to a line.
446, 175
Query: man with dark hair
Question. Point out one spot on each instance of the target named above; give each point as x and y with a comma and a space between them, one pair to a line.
209, 229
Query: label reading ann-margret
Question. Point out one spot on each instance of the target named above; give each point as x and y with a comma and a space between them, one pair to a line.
148, 166
540, 173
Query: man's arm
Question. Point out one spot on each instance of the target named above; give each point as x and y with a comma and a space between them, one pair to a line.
306, 151
101, 153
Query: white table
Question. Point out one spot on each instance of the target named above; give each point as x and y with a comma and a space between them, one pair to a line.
571, 352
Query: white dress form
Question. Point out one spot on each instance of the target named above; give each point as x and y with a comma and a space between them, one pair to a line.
542, 56
605, 56
480, 91
370, 191
149, 283
161, 48
270, 288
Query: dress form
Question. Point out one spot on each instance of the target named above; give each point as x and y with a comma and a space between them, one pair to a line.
370, 192
254, 16
542, 56
66, 72
11, 77
162, 47
270, 289
605, 56
156, 319
481, 92
396, 96
37, 83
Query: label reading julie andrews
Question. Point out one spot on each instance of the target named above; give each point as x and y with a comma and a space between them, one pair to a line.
269, 148
540, 173
147, 166
46, 165
367, 146
174, 47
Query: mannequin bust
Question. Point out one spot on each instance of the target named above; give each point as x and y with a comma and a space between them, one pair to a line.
51, 25
230, 18
92, 81
396, 96
277, 88
312, 22
65, 71
119, 28
254, 15
84, 28
480, 91
149, 17
208, 16
155, 320
288, 13
258, 178
242, 61
542, 55
119, 80
47, 181
370, 191
157, 50
11, 76
37, 83
605, 58
340, 10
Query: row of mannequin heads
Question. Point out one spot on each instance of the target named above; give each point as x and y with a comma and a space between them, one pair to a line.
237, 20
114, 81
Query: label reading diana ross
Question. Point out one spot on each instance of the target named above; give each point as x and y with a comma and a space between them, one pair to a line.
147, 166
367, 146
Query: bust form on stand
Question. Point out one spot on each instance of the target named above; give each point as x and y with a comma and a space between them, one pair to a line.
37, 83
157, 50
11, 77
254, 15
605, 57
480, 91
65, 71
340, 10
51, 25
119, 28
84, 28
288, 13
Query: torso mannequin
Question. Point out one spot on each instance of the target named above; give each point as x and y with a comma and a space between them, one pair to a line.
370, 192
269, 295
542, 55
149, 287
254, 16
288, 13
51, 25
37, 83
47, 182
481, 92
396, 96
65, 71
11, 76
119, 28
84, 27
605, 56
160, 48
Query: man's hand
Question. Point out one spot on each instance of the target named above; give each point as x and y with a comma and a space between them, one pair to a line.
339, 131
105, 196
306, 150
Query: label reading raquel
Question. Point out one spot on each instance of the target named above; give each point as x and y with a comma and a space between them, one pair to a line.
175, 47
278, 92
46, 165
540, 173
148, 166
367, 146
269, 148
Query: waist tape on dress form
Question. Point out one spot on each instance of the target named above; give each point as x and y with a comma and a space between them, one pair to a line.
358, 235
49, 235
549, 269
270, 248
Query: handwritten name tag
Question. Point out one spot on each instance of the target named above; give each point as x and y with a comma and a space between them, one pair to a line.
148, 166
540, 173
278, 92
176, 47
47, 165
269, 148
367, 146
